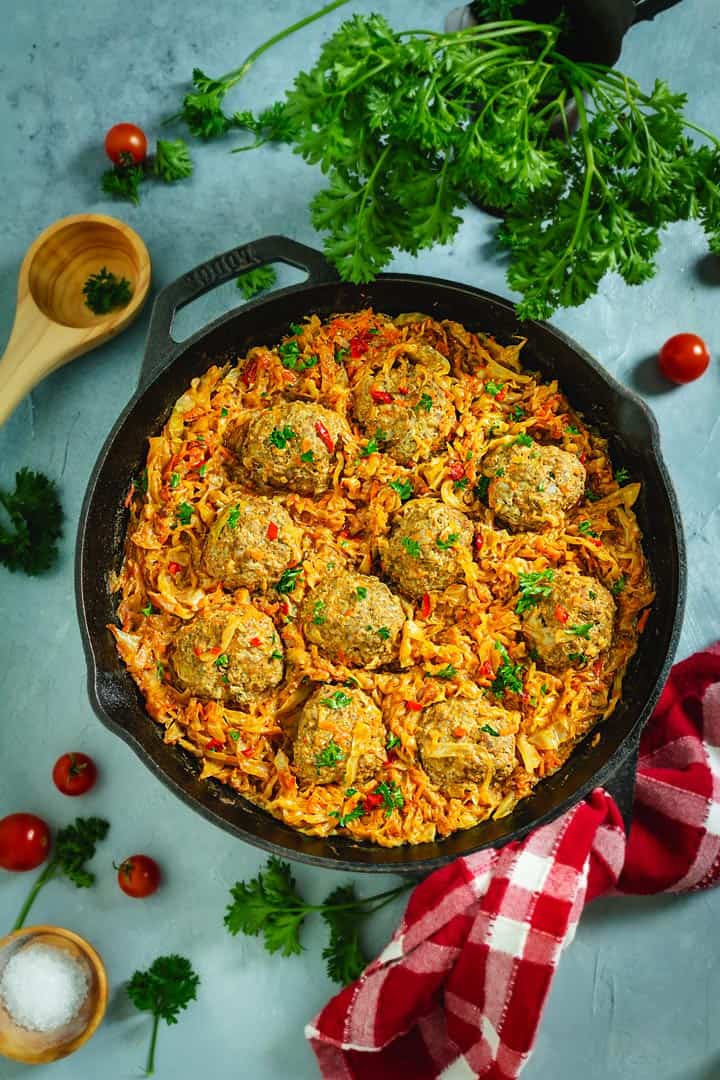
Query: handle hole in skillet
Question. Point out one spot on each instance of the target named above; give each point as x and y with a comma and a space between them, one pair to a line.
198, 313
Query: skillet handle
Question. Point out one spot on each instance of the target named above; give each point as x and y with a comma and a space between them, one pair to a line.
621, 784
161, 348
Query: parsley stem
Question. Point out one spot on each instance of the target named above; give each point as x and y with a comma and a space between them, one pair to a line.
150, 1067
239, 73
43, 879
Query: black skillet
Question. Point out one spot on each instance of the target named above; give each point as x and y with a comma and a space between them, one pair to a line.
167, 369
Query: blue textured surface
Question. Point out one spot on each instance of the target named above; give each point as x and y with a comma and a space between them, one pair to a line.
637, 994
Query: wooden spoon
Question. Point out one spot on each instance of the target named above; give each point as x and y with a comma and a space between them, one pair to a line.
36, 1047
52, 323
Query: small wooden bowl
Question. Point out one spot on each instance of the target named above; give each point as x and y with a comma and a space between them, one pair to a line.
39, 1047
52, 324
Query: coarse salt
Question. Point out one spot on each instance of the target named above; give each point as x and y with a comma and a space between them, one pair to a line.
43, 987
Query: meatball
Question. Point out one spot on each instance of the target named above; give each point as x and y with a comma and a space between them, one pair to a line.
340, 739
421, 554
233, 655
532, 486
417, 420
292, 445
250, 543
573, 624
463, 741
354, 618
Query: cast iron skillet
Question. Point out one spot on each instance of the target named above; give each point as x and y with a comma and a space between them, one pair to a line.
167, 369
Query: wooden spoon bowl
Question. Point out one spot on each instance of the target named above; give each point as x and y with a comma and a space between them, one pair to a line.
39, 1047
53, 324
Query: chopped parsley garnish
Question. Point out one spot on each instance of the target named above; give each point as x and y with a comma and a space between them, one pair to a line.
318, 613
448, 542
361, 592
585, 527
233, 517
142, 482
338, 700
289, 353
351, 682
579, 656
308, 457
533, 587
572, 430
508, 676
341, 355
149, 610
174, 479
411, 546
592, 594
372, 446
353, 815
493, 388
544, 690
518, 413
160, 669
295, 329
280, 437
235, 735
500, 471
383, 633
329, 756
184, 513
392, 796
460, 485
425, 403
618, 586
489, 730
392, 742
481, 488
582, 630
534, 654
622, 476
350, 792
223, 411
524, 439
403, 488
288, 579
222, 661
591, 496
276, 655
202, 471
447, 672
105, 291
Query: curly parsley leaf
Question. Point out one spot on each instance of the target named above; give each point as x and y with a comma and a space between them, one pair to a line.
254, 282
35, 524
172, 160
105, 291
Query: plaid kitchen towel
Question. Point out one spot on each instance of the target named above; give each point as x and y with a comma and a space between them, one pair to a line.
459, 991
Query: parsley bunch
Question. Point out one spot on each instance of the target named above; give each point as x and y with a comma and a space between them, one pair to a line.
270, 905
165, 989
407, 125
105, 291
74, 847
36, 517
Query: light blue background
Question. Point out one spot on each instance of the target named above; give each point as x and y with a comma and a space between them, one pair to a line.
637, 996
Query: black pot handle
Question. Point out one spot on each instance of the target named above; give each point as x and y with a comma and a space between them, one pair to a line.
161, 348
621, 784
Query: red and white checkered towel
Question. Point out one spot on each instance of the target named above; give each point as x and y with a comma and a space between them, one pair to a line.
459, 991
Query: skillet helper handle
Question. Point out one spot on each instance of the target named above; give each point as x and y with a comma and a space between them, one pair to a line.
621, 784
161, 347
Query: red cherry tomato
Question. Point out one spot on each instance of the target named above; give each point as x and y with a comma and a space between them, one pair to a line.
138, 876
683, 358
125, 144
74, 773
24, 842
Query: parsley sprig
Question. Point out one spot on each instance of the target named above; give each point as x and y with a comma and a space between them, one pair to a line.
270, 904
165, 989
508, 676
36, 518
105, 291
533, 588
74, 847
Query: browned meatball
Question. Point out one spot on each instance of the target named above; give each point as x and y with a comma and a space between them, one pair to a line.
463, 741
574, 624
292, 445
232, 655
418, 419
421, 554
340, 739
354, 618
250, 543
532, 486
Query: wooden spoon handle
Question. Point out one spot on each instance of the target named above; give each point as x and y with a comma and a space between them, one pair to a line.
36, 347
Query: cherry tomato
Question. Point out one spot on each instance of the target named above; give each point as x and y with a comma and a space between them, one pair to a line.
74, 773
683, 358
125, 144
24, 842
138, 876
